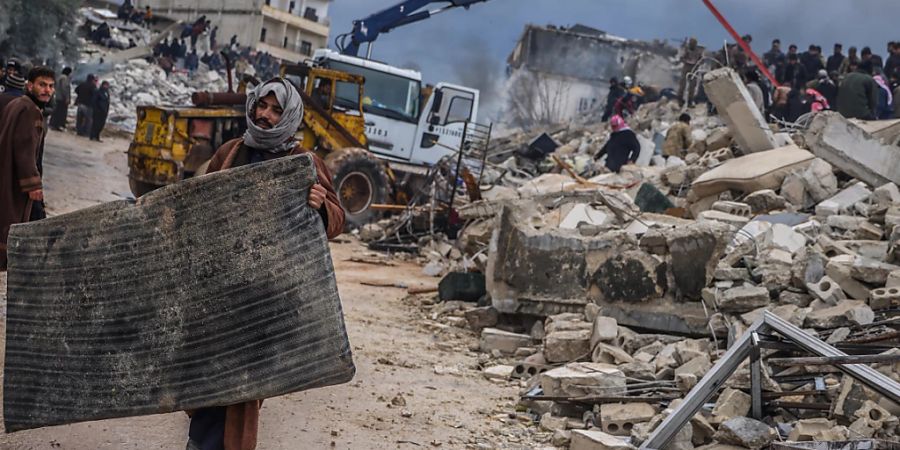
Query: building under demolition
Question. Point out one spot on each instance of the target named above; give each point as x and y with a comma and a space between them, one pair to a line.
558, 73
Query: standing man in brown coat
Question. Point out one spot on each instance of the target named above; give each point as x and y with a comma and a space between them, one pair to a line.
274, 113
22, 131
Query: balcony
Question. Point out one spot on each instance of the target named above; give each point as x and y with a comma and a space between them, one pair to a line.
302, 23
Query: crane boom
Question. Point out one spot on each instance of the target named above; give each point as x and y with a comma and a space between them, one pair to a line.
366, 31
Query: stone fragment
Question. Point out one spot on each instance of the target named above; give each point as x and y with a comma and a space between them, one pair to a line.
697, 367
666, 357
695, 251
871, 271
893, 279
745, 432
845, 313
826, 290
565, 346
794, 191
869, 231
639, 369
849, 224
583, 379
731, 274
886, 195
561, 438
685, 381
794, 298
609, 354
605, 329
819, 181
689, 349
549, 422
504, 341
808, 429
591, 311
702, 431
783, 237
838, 335
619, 419
875, 415
763, 201
597, 440
481, 318
839, 270
731, 98
849, 148
743, 299
731, 403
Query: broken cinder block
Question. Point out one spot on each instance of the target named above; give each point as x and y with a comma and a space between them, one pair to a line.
583, 379
619, 419
504, 341
826, 290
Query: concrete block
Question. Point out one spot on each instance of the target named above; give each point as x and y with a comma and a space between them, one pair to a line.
871, 271
640, 370
619, 419
689, 349
839, 269
597, 440
743, 299
745, 432
849, 148
733, 208
605, 329
794, 191
565, 346
826, 290
610, 354
869, 231
721, 155
504, 341
819, 180
731, 98
763, 201
886, 195
843, 201
731, 403
783, 237
874, 414
845, 313
696, 367
887, 131
499, 372
583, 379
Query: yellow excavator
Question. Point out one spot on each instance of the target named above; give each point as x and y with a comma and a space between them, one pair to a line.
174, 143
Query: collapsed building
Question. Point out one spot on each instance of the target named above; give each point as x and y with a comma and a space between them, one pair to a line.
557, 74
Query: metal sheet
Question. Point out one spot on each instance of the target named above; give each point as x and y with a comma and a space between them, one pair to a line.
209, 292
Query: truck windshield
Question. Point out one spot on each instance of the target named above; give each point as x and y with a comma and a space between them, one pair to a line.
385, 94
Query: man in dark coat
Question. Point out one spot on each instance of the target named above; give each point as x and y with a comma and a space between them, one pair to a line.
100, 107
84, 96
22, 131
63, 98
616, 91
274, 112
835, 60
622, 147
794, 73
858, 94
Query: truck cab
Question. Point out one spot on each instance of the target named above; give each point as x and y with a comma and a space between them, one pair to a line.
406, 124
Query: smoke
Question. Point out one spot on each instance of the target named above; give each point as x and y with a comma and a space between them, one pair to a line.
39, 31
477, 69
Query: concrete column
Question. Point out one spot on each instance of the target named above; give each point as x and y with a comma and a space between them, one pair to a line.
727, 92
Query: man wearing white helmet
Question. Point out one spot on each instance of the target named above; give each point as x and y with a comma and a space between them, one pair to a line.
274, 113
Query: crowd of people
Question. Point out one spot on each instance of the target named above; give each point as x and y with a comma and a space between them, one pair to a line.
859, 85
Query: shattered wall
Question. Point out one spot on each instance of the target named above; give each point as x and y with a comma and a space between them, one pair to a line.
569, 70
39, 30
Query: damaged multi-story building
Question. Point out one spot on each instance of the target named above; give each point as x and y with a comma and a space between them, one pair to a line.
287, 29
556, 74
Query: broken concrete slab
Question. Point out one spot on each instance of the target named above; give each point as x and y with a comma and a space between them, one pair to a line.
871, 271
696, 367
731, 98
583, 214
886, 195
887, 131
610, 354
845, 313
744, 299
764, 201
839, 270
731, 403
583, 379
751, 173
819, 181
695, 251
849, 148
605, 329
843, 201
719, 216
504, 341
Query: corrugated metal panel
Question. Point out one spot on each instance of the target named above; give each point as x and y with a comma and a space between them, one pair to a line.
209, 292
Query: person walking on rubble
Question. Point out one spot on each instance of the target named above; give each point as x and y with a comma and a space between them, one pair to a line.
63, 98
690, 59
22, 132
858, 93
678, 137
274, 113
100, 107
84, 95
622, 147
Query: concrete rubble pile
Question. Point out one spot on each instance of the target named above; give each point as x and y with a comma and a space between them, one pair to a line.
138, 82
609, 297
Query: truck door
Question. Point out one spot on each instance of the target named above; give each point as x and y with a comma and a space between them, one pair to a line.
448, 110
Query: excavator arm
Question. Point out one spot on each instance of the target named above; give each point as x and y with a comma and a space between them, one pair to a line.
366, 31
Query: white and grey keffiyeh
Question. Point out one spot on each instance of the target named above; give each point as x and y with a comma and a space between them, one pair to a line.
280, 137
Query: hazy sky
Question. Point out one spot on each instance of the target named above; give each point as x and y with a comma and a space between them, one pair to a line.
445, 46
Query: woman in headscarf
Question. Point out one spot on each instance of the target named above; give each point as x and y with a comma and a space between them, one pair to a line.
622, 147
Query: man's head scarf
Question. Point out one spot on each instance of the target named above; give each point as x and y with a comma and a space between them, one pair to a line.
280, 137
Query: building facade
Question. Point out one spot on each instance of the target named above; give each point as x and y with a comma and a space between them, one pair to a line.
287, 29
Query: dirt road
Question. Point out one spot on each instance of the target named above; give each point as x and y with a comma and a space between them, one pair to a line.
417, 384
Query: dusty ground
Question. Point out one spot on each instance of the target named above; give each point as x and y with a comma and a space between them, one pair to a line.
399, 350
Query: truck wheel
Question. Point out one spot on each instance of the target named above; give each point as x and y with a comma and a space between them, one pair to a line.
139, 188
360, 181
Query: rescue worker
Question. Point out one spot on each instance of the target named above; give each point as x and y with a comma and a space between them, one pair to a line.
274, 113
690, 58
622, 147
22, 132
678, 137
